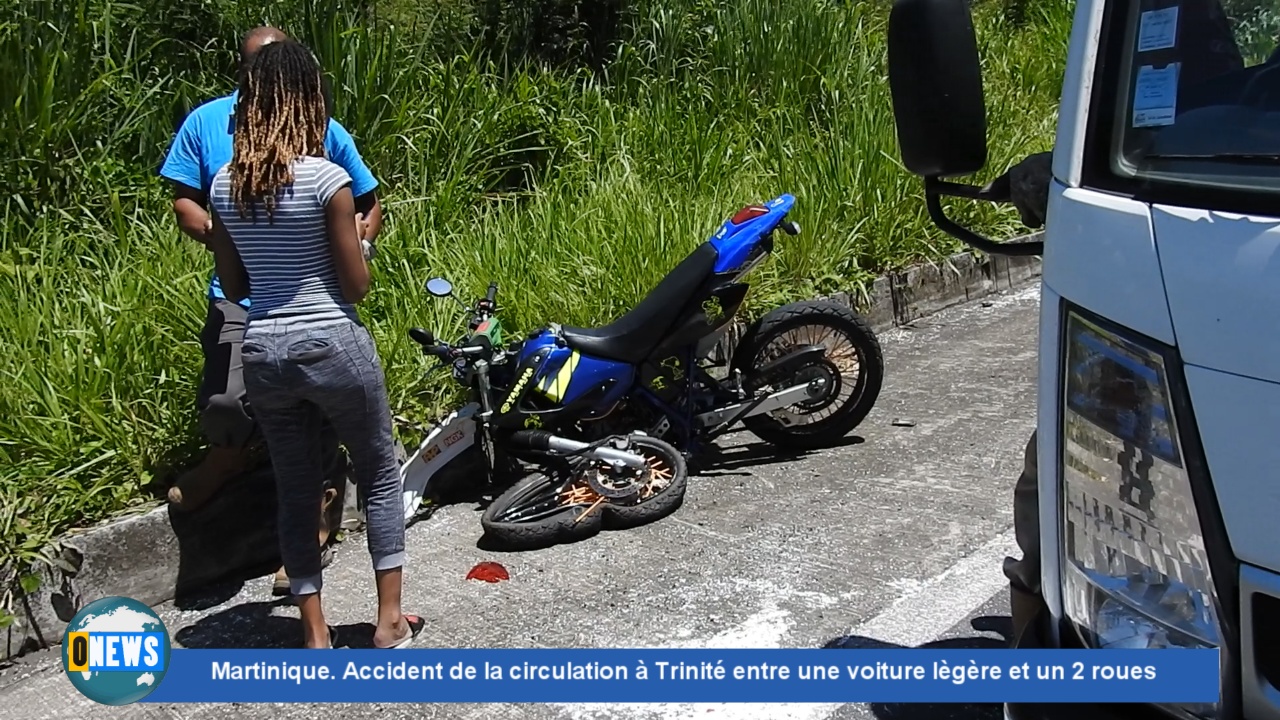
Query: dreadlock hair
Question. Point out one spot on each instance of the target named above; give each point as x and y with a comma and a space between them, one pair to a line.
281, 116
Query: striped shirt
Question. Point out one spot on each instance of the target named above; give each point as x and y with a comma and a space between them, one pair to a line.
288, 258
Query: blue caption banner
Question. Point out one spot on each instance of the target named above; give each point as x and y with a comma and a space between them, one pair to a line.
648, 675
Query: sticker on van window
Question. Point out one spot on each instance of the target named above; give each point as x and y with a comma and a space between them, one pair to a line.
1158, 29
1155, 96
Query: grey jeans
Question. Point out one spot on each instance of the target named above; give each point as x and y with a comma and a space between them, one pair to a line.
298, 373
1024, 574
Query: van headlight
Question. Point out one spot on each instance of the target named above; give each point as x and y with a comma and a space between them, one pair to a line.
1135, 570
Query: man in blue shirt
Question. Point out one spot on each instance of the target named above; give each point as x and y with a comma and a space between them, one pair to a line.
202, 146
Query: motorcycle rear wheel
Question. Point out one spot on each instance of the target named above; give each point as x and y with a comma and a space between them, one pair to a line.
849, 341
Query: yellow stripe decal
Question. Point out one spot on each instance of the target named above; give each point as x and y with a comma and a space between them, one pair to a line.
556, 386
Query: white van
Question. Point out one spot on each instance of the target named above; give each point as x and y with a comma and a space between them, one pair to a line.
1159, 376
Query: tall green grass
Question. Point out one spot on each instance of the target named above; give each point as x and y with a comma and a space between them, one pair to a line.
576, 189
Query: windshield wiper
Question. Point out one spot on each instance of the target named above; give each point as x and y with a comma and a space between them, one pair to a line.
1252, 158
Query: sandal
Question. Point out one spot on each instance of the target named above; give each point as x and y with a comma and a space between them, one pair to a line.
415, 626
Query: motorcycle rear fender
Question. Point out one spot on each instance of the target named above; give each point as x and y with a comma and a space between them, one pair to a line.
707, 316
737, 242
444, 443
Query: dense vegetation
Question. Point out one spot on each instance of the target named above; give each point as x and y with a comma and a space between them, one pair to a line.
571, 150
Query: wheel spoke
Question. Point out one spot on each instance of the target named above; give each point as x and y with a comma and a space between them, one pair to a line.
841, 352
543, 502
659, 477
553, 497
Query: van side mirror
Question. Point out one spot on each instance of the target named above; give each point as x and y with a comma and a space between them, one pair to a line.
939, 108
936, 82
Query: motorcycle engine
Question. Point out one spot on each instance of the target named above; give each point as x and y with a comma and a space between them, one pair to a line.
624, 419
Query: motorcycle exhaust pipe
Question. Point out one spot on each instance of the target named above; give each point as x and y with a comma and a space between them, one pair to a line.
545, 442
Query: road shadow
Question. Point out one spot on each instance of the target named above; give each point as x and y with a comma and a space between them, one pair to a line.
249, 625
1001, 625
227, 541
714, 461
232, 538
467, 482
717, 461
255, 626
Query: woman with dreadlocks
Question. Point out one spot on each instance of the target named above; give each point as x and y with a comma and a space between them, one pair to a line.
285, 236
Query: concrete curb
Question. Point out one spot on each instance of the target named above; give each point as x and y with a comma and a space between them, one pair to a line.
903, 297
157, 555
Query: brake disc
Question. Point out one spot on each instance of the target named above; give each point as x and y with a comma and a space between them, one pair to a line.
615, 483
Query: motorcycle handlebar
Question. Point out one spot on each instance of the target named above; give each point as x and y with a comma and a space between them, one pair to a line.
478, 347
427, 340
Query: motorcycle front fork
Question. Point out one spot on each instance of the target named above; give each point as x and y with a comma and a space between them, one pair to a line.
484, 389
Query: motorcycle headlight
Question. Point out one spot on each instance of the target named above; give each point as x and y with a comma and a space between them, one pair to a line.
1135, 570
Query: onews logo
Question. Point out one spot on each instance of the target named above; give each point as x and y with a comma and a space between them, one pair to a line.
115, 651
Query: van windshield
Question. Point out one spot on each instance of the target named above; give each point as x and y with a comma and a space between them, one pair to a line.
1199, 93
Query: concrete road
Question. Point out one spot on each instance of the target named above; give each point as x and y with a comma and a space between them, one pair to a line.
894, 539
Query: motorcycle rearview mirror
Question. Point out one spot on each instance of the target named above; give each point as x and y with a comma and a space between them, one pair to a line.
439, 287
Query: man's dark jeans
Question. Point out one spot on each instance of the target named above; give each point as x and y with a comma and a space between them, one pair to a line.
225, 415
1024, 574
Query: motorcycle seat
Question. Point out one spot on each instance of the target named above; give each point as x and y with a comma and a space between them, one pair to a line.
634, 335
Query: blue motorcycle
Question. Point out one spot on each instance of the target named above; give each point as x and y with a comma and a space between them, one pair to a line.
610, 417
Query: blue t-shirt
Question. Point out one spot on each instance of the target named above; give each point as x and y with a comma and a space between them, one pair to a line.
204, 145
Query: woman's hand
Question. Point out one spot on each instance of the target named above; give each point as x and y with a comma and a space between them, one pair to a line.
362, 229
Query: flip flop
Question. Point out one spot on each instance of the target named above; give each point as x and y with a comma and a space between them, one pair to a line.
415, 626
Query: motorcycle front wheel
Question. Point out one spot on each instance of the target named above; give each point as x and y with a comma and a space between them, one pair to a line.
565, 504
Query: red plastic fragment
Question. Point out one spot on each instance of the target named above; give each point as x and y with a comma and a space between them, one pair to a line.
490, 572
